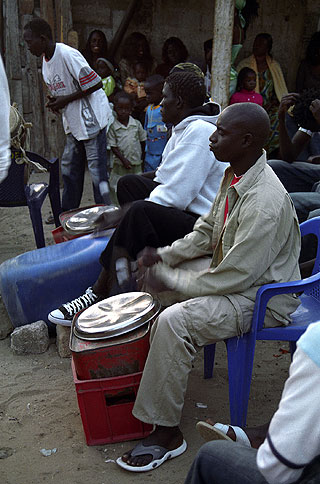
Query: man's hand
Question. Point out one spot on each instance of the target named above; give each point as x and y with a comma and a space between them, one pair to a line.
126, 163
148, 257
57, 103
287, 101
315, 109
145, 277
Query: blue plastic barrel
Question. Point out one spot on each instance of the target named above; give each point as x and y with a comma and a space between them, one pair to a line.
35, 283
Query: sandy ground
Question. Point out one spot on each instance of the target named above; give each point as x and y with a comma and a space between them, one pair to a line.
39, 410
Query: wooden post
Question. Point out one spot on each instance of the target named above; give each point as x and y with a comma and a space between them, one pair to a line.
221, 50
122, 28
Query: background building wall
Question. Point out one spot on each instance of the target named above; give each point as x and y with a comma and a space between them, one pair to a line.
290, 22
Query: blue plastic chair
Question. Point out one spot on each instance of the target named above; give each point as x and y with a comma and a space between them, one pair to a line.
241, 350
14, 192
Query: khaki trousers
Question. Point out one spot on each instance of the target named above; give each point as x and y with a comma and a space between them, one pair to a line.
176, 336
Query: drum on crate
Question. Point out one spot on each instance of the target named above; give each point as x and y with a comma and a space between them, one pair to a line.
111, 338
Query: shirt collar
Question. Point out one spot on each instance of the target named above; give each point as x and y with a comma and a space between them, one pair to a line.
249, 177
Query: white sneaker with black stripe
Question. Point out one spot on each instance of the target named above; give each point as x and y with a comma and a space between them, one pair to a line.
64, 314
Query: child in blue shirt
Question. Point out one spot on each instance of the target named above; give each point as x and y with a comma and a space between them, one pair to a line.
154, 126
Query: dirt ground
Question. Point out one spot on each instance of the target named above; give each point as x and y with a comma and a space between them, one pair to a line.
39, 410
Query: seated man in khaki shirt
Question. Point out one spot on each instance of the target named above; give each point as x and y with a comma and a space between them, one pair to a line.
249, 238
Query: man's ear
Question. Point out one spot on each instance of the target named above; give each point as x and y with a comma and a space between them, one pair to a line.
180, 102
247, 140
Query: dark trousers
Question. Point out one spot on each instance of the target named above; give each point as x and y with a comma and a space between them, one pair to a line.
145, 223
134, 187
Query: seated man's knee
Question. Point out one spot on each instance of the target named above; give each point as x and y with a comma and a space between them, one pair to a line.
137, 207
170, 320
124, 182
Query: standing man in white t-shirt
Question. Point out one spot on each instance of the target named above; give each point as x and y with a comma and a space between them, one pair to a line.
76, 91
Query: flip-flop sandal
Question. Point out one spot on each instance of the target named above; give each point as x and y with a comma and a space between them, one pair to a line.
159, 456
219, 431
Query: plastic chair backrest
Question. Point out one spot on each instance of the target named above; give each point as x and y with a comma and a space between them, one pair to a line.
241, 350
312, 226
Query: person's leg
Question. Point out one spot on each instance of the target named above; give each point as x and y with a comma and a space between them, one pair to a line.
305, 203
297, 176
147, 224
256, 435
221, 462
179, 332
96, 153
144, 224
134, 187
72, 171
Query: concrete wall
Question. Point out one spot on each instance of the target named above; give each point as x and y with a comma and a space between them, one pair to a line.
157, 19
290, 23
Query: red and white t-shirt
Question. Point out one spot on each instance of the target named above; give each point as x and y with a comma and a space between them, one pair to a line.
67, 72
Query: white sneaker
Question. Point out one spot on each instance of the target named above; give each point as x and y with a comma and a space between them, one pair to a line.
66, 312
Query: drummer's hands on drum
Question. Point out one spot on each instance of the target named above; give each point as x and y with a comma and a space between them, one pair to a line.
148, 257
145, 276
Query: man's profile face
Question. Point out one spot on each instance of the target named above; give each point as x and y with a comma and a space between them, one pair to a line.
36, 45
225, 141
168, 105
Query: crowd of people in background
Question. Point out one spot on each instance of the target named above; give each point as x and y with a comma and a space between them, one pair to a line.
257, 78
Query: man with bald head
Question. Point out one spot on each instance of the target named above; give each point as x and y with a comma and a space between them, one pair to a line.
249, 238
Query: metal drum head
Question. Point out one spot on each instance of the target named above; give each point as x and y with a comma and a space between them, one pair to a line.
116, 315
85, 221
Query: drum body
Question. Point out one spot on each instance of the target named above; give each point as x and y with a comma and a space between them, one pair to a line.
111, 338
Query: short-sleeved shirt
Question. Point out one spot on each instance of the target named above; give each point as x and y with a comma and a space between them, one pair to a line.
66, 73
156, 131
127, 139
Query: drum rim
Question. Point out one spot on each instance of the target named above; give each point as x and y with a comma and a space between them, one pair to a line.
121, 328
88, 228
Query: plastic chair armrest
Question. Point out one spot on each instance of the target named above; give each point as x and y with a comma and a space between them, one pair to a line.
269, 290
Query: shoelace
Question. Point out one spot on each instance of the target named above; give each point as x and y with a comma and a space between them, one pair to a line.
81, 302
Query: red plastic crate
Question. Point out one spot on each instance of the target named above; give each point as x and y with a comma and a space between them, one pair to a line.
106, 409
60, 235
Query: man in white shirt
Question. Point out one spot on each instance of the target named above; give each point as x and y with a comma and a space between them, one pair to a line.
76, 90
5, 158
166, 207
293, 436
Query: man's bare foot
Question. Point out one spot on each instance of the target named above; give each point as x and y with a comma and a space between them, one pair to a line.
168, 437
256, 435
